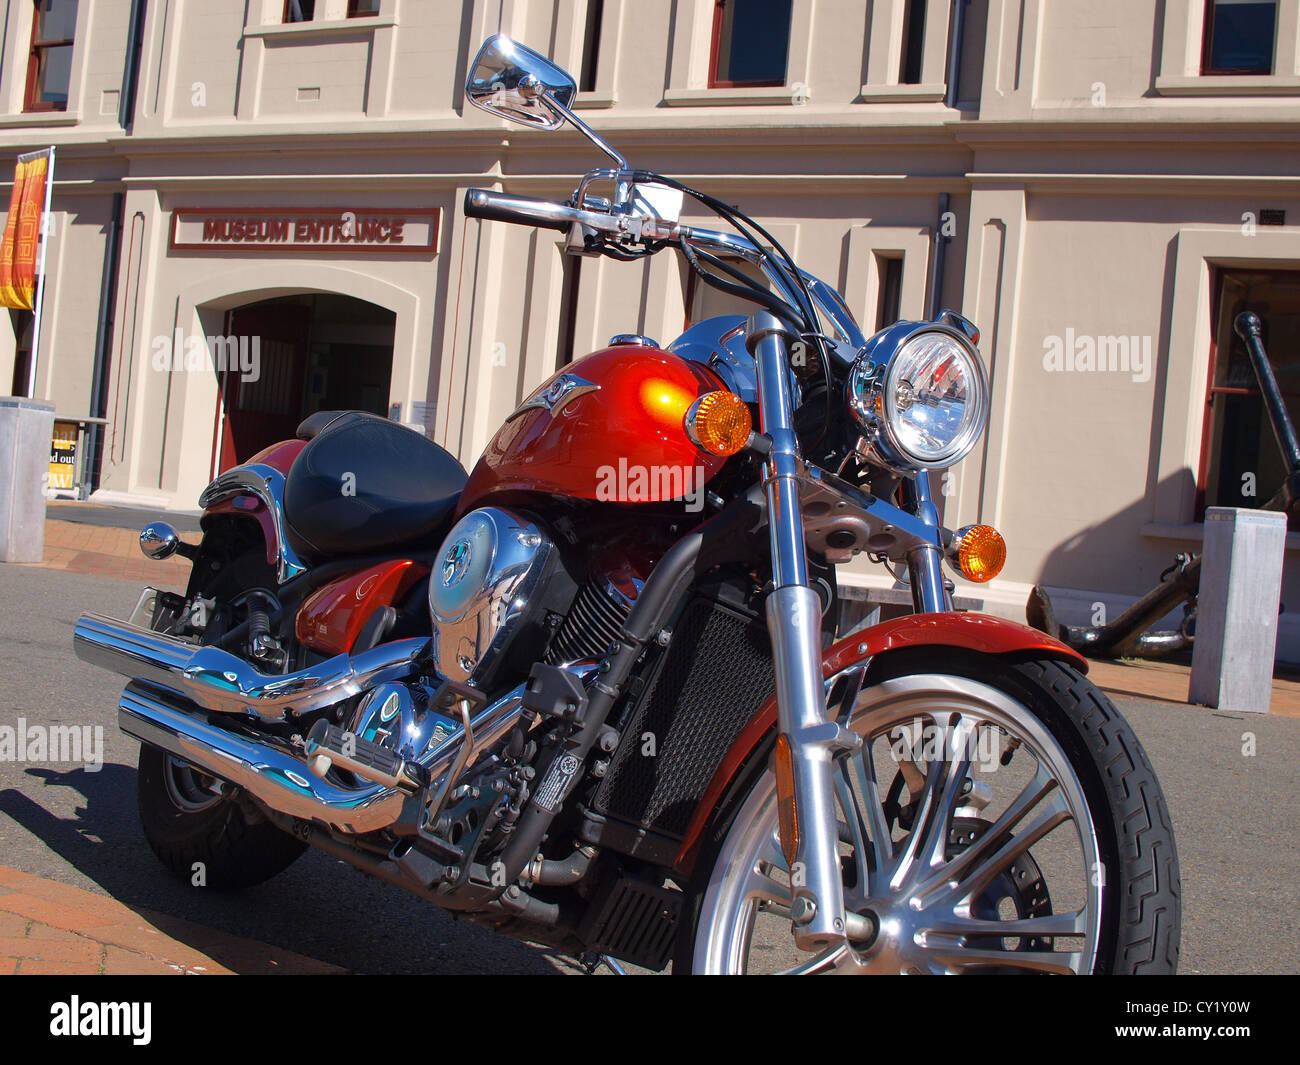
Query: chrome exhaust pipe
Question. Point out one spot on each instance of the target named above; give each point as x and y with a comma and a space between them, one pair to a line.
277, 775
221, 682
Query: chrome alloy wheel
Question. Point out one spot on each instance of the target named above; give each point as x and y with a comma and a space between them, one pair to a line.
945, 875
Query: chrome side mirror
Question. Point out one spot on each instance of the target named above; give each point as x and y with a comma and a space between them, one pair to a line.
158, 540
519, 85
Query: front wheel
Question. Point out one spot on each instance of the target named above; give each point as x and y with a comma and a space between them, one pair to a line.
1000, 817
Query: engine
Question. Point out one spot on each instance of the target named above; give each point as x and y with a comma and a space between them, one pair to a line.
497, 595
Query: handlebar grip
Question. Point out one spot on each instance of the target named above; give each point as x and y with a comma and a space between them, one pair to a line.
521, 210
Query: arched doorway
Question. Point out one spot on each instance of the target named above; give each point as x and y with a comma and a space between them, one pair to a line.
282, 359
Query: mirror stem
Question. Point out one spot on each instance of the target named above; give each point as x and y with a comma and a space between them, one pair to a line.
587, 131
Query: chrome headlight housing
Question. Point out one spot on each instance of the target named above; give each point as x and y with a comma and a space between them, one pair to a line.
919, 394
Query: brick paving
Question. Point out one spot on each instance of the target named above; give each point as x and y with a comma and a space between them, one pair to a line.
1167, 682
55, 929
100, 551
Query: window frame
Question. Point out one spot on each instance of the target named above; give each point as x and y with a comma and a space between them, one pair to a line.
1207, 46
1218, 274
31, 105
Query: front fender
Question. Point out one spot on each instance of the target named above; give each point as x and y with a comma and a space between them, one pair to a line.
972, 632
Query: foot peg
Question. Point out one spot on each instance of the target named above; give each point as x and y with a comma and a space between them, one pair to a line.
328, 745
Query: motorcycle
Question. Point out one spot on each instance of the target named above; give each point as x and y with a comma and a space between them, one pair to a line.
591, 693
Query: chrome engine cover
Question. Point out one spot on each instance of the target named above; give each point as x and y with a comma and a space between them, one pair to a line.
481, 592
390, 715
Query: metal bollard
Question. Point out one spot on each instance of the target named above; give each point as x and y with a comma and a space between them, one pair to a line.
1236, 618
26, 428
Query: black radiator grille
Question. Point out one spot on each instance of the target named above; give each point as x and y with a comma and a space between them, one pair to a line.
634, 921
594, 622
713, 678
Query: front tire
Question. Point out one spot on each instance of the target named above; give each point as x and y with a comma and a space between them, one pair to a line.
202, 837
1002, 817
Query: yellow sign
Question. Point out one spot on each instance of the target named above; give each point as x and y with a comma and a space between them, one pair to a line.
63, 455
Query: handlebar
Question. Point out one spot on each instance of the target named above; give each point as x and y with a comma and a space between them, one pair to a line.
521, 210
545, 214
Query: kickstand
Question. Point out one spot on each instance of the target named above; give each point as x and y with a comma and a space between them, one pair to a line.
590, 962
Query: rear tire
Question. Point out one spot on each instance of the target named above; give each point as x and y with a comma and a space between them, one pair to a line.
1100, 765
203, 838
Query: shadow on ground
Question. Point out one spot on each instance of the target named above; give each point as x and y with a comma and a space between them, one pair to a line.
319, 907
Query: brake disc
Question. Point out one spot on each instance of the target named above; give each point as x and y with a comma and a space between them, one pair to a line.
1022, 884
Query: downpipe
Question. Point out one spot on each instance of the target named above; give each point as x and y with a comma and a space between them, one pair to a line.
274, 773
221, 682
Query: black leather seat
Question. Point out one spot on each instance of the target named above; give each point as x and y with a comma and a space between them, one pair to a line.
315, 424
364, 484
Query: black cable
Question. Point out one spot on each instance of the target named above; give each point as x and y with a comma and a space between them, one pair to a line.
746, 289
740, 222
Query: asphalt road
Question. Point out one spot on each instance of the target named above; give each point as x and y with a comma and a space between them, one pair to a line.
1238, 837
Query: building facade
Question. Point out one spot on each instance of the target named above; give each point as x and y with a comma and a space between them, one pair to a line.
1099, 185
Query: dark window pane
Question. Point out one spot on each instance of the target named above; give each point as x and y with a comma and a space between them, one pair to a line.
1241, 36
753, 40
299, 10
362, 8
56, 20
913, 42
890, 296
54, 72
591, 45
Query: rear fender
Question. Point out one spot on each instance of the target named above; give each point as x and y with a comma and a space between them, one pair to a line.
972, 632
256, 490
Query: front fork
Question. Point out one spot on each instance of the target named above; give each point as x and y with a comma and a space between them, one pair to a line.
794, 620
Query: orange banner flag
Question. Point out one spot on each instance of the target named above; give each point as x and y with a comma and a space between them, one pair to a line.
18, 250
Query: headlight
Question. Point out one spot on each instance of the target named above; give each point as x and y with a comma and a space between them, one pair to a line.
920, 396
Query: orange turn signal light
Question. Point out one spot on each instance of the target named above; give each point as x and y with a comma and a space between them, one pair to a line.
719, 423
978, 552
787, 820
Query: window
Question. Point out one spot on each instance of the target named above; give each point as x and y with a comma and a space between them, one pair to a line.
49, 68
751, 42
913, 42
591, 45
1239, 36
890, 297
299, 10
1241, 464
22, 325
363, 8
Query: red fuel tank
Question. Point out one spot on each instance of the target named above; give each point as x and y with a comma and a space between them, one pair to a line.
607, 427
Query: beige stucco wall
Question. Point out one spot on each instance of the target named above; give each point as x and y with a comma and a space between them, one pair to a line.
1094, 180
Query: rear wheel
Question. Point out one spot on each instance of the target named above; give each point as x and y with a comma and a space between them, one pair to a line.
204, 837
201, 836
1000, 817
